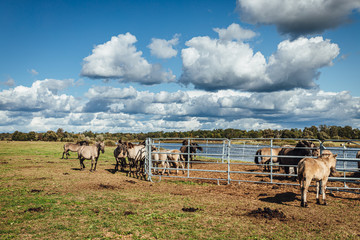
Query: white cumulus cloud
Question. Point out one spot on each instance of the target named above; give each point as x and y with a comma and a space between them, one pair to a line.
214, 64
119, 59
234, 32
162, 48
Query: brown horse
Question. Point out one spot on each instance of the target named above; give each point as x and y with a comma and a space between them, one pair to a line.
292, 156
120, 156
189, 150
358, 156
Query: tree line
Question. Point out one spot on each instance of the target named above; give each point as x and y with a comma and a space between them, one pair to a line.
321, 132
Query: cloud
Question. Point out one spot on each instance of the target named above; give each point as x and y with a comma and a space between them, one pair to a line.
33, 72
215, 64
162, 48
119, 59
107, 109
234, 32
42, 95
10, 82
295, 64
298, 17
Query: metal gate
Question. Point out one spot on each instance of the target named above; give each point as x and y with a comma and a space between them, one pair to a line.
232, 160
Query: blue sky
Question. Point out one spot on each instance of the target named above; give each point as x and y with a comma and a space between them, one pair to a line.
140, 66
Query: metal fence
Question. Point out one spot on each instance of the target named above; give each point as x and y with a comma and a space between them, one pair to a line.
232, 160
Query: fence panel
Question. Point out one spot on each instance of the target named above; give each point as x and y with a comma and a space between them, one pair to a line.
233, 160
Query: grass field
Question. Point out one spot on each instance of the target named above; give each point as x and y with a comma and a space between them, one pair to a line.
45, 197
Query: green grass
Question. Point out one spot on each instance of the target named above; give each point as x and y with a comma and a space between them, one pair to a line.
45, 197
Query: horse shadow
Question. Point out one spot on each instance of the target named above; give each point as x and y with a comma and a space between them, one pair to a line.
280, 198
113, 171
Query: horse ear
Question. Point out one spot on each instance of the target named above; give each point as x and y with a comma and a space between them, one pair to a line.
335, 155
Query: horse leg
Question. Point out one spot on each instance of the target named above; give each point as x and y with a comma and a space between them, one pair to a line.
302, 189
181, 165
167, 165
317, 192
305, 191
122, 164
323, 189
287, 170
96, 159
92, 164
116, 165
82, 165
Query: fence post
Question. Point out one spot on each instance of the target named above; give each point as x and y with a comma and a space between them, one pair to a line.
344, 163
228, 160
271, 160
148, 162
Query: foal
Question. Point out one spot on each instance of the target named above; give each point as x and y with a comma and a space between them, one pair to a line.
318, 169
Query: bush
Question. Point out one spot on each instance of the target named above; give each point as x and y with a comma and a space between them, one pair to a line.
110, 143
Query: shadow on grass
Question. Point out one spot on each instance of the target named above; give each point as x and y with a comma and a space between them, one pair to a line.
280, 198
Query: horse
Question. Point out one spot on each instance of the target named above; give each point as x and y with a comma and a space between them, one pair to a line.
358, 156
266, 154
136, 157
175, 158
120, 156
189, 149
73, 147
91, 152
292, 156
317, 169
160, 158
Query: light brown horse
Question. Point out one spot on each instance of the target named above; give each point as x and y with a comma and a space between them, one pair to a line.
91, 153
266, 154
318, 169
175, 158
136, 157
73, 147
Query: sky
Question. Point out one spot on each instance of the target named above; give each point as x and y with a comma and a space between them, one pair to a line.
167, 65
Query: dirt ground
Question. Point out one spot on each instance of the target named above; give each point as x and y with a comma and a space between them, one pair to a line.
271, 207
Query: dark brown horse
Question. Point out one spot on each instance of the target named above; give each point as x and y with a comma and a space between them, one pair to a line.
120, 156
292, 156
189, 150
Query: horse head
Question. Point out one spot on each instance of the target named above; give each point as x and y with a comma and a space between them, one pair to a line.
305, 147
101, 146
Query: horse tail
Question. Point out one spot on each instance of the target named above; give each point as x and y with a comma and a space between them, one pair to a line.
256, 160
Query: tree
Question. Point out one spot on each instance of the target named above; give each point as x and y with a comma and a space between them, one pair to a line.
50, 136
31, 136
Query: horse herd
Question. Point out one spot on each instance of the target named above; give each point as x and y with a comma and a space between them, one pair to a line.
304, 157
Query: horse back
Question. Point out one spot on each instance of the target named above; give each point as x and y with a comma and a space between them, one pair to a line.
88, 152
313, 168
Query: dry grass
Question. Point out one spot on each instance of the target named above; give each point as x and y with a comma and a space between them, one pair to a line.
43, 197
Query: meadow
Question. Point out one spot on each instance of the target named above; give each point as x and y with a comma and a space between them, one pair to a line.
46, 197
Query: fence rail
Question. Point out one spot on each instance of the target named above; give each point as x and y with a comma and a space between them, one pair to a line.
232, 160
